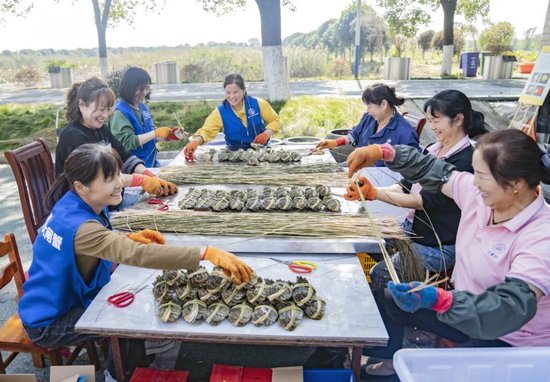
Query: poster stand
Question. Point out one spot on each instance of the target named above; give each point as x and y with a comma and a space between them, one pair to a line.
533, 95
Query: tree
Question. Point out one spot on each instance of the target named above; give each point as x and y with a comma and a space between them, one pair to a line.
425, 40
403, 18
106, 12
14, 8
497, 38
470, 9
113, 13
275, 74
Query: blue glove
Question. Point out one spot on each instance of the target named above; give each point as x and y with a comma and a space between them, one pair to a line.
411, 302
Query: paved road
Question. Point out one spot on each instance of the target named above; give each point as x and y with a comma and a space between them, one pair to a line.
474, 88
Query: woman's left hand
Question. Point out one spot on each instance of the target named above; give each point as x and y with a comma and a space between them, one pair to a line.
147, 236
429, 297
262, 138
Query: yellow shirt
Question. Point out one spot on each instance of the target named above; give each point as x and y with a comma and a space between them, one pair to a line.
213, 123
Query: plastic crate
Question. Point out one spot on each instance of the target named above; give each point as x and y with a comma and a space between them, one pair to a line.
473, 365
367, 263
328, 375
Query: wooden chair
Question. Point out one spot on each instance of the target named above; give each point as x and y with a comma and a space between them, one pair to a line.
416, 122
33, 168
13, 337
12, 334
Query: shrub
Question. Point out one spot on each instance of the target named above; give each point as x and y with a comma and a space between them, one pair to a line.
28, 77
497, 38
114, 78
338, 68
192, 73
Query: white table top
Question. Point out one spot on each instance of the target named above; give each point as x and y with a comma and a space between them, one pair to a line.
351, 319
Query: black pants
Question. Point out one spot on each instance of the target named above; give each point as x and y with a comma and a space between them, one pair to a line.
396, 320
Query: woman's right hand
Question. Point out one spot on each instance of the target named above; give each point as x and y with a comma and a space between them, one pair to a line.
365, 186
229, 263
327, 144
190, 148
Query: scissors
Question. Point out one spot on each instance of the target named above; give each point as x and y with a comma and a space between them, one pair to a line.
162, 206
123, 299
298, 266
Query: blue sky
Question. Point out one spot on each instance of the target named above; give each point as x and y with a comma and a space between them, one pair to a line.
65, 26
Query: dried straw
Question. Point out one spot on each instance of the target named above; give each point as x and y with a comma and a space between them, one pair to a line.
326, 174
297, 224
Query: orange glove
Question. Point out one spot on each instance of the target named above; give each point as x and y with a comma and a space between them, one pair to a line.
162, 132
363, 157
230, 264
367, 189
262, 138
331, 143
153, 185
147, 236
190, 148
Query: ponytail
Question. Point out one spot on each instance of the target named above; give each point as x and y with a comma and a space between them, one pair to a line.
59, 188
477, 125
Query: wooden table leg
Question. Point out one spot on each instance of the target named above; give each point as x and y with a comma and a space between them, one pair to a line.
117, 358
356, 354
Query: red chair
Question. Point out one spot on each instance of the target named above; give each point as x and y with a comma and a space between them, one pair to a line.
416, 122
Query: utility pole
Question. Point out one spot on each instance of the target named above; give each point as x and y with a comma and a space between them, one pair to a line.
546, 29
357, 39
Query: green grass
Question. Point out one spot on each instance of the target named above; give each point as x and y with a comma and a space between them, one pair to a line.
20, 124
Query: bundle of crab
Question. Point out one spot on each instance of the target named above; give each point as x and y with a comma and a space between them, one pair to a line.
198, 296
318, 198
251, 156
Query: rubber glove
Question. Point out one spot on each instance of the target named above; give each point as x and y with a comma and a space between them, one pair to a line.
262, 138
230, 264
147, 236
162, 132
189, 149
433, 298
154, 185
331, 143
367, 189
367, 156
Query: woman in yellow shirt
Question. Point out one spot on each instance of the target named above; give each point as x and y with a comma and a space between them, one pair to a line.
243, 119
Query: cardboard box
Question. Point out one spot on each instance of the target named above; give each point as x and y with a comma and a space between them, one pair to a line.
17, 378
67, 373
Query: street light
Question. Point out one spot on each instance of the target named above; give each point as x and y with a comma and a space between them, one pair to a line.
357, 39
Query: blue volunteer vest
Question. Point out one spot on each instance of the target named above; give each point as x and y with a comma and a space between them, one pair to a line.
55, 286
148, 151
237, 135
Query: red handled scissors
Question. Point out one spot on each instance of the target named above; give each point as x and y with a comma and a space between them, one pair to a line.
123, 299
162, 206
298, 266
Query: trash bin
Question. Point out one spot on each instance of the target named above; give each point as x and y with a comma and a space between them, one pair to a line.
468, 63
167, 73
498, 67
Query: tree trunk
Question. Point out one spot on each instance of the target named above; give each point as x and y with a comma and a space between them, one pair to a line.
101, 26
275, 74
449, 8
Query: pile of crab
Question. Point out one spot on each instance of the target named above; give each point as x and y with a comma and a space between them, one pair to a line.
316, 198
200, 296
251, 156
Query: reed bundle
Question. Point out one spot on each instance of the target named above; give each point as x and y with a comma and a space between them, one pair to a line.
326, 174
298, 224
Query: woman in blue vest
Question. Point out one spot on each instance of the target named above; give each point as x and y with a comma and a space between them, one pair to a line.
132, 123
382, 123
74, 249
243, 119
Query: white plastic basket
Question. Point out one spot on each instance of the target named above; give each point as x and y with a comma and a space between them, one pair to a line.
473, 365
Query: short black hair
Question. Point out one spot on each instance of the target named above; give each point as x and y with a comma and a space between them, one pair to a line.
134, 80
